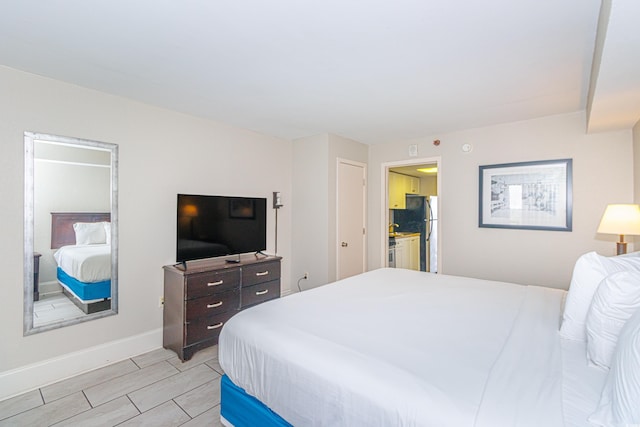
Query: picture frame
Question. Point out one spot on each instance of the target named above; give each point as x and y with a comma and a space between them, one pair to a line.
535, 195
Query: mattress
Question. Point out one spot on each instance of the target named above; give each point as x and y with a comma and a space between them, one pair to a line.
400, 347
86, 263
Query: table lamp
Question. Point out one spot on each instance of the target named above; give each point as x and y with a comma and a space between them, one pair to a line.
621, 219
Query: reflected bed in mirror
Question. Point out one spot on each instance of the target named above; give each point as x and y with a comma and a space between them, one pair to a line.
71, 244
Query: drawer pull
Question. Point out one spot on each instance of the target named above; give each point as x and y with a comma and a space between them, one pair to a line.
264, 273
214, 305
262, 292
216, 326
219, 282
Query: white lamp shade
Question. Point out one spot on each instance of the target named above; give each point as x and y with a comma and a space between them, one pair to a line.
620, 219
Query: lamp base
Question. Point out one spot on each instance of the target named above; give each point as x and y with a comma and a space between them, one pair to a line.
621, 248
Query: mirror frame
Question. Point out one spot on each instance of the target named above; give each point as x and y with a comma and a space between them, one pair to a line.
29, 230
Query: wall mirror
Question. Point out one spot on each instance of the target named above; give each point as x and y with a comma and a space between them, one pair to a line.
70, 231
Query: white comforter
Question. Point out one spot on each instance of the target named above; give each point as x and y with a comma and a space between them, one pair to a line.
87, 263
397, 347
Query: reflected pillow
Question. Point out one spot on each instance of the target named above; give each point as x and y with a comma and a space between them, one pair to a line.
590, 269
107, 231
90, 233
619, 402
615, 301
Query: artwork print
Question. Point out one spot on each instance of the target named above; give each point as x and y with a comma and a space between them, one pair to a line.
527, 195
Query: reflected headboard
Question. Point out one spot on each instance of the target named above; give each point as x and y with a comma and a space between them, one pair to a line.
62, 233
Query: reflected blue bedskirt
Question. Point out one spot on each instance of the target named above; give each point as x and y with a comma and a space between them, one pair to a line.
85, 291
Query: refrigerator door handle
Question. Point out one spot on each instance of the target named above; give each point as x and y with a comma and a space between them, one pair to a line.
430, 220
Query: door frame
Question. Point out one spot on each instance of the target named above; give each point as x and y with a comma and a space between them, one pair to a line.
384, 225
340, 160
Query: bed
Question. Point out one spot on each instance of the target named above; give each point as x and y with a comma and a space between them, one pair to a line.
83, 258
395, 347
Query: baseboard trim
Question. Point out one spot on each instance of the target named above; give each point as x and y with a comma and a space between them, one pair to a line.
40, 374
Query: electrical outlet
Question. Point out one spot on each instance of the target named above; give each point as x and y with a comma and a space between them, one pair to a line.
161, 303
306, 275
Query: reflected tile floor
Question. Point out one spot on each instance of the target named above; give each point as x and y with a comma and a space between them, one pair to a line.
152, 389
54, 308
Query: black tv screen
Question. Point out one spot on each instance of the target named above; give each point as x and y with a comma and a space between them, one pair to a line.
213, 226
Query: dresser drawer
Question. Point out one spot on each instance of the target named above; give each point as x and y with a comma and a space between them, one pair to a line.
261, 292
207, 328
259, 273
212, 304
208, 283
201, 297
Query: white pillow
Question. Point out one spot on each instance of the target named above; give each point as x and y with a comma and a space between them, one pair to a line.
615, 301
588, 272
620, 399
107, 232
90, 233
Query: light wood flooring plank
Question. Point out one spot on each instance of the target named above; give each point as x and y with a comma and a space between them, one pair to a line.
211, 418
88, 379
198, 358
152, 357
50, 413
167, 415
214, 364
128, 383
21, 403
110, 414
171, 387
200, 399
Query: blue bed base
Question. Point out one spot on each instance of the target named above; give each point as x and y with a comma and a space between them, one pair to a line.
242, 410
85, 291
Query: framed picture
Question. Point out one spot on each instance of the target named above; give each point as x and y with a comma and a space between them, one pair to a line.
527, 195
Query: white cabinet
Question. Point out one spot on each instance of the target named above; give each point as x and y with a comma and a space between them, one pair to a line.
397, 199
402, 253
414, 253
408, 252
412, 185
399, 186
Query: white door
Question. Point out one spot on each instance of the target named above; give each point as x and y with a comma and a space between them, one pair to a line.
351, 182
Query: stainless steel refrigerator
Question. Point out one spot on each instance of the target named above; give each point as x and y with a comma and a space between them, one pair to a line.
420, 216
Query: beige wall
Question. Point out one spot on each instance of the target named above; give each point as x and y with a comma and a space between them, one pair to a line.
636, 163
636, 175
161, 153
602, 171
310, 246
314, 197
429, 186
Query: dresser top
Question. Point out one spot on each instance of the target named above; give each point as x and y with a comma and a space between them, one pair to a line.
209, 264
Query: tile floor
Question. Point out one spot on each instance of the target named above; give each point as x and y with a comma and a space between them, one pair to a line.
54, 308
153, 389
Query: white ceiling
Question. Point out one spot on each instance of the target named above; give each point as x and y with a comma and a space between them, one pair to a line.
371, 70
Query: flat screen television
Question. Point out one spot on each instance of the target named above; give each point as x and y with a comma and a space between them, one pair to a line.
213, 226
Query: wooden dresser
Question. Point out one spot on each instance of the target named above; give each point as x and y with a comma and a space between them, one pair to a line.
199, 300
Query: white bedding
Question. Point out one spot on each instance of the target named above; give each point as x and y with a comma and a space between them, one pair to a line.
581, 385
87, 263
400, 347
